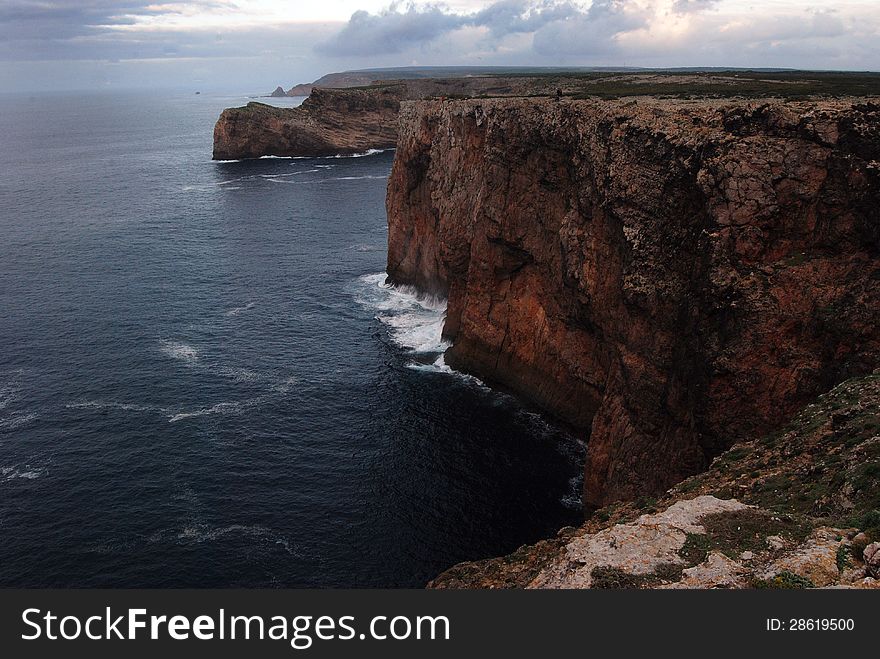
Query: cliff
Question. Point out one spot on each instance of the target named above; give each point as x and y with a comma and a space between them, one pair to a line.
666, 276
344, 120
329, 122
798, 508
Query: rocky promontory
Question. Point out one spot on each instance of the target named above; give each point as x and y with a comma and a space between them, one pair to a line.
343, 120
665, 276
329, 122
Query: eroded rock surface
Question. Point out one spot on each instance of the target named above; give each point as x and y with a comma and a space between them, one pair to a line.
329, 122
667, 276
638, 548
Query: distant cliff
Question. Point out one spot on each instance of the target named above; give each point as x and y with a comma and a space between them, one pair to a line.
668, 277
346, 120
329, 122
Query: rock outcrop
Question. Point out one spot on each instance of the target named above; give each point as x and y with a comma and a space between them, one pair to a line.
341, 120
329, 122
799, 508
666, 276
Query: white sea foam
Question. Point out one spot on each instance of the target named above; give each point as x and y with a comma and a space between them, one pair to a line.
368, 152
414, 321
230, 408
8, 393
237, 310
439, 365
10, 389
15, 421
178, 350
572, 499
11, 473
220, 408
199, 533
304, 171
358, 178
112, 405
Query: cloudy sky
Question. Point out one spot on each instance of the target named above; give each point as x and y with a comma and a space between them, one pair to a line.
253, 45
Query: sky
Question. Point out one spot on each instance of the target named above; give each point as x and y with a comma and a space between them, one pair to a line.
255, 45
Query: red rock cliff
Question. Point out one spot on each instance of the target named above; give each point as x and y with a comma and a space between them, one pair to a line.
667, 276
329, 122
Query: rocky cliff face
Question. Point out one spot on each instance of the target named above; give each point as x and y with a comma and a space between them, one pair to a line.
666, 276
329, 122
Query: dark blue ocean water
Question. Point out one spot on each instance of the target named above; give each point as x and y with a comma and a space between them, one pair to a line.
203, 382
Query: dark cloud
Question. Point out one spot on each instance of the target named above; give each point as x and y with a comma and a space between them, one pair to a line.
395, 29
520, 16
391, 31
84, 29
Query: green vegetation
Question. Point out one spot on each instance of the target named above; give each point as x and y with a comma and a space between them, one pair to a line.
737, 532
612, 578
843, 558
786, 580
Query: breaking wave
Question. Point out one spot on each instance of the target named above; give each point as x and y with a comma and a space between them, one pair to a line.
414, 321
237, 310
11, 473
177, 350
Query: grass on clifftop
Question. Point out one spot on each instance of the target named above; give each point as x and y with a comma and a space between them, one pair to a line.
823, 467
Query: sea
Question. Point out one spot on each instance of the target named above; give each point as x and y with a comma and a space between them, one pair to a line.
206, 382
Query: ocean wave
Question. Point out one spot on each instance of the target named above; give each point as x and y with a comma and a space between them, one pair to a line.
355, 178
282, 178
365, 154
226, 408
112, 405
7, 395
198, 533
178, 350
10, 389
237, 310
15, 421
573, 498
414, 321
439, 365
11, 473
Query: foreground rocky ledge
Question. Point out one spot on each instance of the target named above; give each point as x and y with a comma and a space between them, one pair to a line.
796, 509
666, 276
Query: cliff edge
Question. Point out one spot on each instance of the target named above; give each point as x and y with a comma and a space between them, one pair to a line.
666, 276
